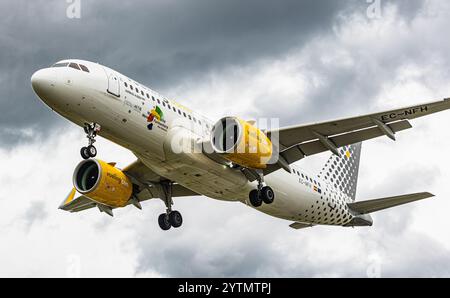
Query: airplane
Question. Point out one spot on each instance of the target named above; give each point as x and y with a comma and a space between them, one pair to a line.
181, 153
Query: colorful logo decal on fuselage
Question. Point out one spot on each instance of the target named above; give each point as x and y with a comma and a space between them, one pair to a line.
155, 114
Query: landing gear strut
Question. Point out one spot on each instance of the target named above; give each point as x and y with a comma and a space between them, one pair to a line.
91, 131
171, 218
261, 194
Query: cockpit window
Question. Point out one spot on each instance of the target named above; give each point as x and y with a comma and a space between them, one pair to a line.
74, 65
60, 64
84, 68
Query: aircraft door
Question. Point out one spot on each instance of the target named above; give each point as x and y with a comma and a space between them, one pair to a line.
113, 83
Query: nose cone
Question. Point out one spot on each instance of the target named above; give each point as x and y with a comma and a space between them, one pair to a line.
43, 81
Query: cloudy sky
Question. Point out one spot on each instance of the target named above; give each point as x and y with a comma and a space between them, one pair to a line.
301, 61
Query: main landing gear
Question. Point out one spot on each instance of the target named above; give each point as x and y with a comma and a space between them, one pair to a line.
171, 218
263, 194
91, 131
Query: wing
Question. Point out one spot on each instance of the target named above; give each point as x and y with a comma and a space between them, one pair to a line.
75, 204
146, 180
297, 142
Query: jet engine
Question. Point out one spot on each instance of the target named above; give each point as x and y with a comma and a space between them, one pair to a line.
241, 143
102, 183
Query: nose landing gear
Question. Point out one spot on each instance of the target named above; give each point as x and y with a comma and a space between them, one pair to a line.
91, 131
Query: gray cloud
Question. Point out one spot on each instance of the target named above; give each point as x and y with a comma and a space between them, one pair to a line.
157, 42
347, 91
242, 249
164, 43
244, 244
236, 246
34, 214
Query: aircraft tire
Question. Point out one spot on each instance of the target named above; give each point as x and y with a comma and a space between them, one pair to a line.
175, 219
255, 198
163, 221
267, 195
92, 151
84, 153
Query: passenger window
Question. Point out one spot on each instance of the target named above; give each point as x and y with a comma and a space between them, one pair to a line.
131, 87
189, 116
174, 109
164, 104
168, 105
158, 100
74, 65
126, 85
148, 96
142, 93
179, 112
84, 68
137, 90
184, 114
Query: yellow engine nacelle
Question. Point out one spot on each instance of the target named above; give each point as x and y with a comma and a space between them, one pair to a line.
241, 143
102, 183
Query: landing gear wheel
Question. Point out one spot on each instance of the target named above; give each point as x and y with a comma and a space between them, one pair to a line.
255, 198
84, 153
91, 130
175, 219
170, 218
267, 195
163, 221
92, 151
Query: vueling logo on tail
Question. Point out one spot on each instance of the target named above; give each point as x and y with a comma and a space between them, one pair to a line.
155, 114
348, 154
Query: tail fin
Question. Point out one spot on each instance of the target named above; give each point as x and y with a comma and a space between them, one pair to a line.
342, 171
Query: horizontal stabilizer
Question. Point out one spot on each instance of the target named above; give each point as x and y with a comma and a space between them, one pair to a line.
301, 225
365, 207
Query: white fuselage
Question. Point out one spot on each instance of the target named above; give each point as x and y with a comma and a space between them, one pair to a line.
122, 106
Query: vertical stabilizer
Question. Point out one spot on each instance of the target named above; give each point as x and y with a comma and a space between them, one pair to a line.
341, 172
